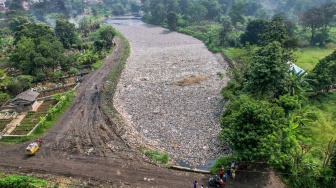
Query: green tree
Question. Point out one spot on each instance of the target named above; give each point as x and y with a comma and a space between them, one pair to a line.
297, 83
312, 18
107, 34
225, 31
172, 20
118, 9
257, 130
213, 8
237, 11
35, 31
19, 84
37, 59
135, 6
158, 14
253, 32
197, 12
17, 21
267, 74
275, 31
66, 32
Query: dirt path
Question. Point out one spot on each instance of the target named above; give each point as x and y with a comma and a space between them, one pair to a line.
83, 144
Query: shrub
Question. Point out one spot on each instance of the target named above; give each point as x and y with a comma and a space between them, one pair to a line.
157, 155
18, 181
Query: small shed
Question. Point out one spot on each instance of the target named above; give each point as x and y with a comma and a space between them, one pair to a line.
25, 101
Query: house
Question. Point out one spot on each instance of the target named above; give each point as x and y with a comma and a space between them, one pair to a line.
25, 101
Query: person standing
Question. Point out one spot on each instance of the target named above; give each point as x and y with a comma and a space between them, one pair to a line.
226, 176
236, 165
195, 184
233, 174
232, 164
221, 173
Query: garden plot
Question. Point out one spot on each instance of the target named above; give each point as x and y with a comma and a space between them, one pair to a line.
33, 118
169, 92
4, 123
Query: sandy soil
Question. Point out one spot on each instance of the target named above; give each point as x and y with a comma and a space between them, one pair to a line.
83, 144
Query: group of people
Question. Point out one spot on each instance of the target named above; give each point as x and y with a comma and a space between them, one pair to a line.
195, 185
230, 171
224, 174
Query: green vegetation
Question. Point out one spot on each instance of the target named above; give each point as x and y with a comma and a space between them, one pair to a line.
308, 57
157, 155
97, 64
110, 87
19, 181
322, 127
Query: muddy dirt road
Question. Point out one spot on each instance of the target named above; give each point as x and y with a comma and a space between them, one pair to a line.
83, 144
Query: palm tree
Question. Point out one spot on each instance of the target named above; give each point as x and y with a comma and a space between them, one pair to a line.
298, 83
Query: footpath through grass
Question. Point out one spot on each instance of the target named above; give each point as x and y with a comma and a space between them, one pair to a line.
308, 57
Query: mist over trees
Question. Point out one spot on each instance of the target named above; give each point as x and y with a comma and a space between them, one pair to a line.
304, 20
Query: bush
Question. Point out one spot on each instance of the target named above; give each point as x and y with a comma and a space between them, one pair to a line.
97, 64
18, 181
156, 155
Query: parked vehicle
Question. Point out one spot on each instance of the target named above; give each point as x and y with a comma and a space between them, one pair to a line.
216, 181
33, 147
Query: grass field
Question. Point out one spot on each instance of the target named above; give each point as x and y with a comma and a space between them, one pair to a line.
307, 58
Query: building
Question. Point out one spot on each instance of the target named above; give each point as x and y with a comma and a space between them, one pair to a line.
25, 101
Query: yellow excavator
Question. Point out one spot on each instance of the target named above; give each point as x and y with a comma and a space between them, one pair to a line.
33, 147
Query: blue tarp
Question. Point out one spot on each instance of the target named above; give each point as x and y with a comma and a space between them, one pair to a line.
293, 66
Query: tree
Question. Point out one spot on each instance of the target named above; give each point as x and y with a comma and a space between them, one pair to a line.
118, 9
225, 31
66, 33
37, 59
213, 8
184, 6
275, 31
34, 31
312, 18
107, 34
19, 84
253, 32
297, 83
267, 75
236, 12
135, 6
197, 12
158, 13
257, 130
18, 21
172, 20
